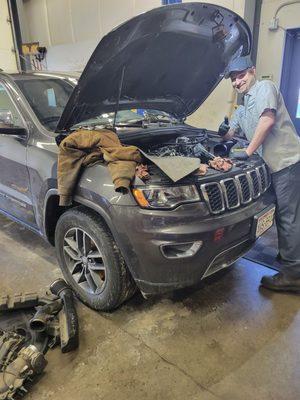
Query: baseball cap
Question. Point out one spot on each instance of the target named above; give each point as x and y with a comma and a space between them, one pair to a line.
238, 64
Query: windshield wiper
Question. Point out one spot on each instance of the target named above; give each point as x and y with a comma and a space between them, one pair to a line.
153, 118
133, 125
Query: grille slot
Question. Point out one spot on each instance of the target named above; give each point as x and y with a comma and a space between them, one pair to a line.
245, 191
232, 192
213, 195
254, 183
263, 178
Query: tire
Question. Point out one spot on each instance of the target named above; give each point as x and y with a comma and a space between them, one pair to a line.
90, 260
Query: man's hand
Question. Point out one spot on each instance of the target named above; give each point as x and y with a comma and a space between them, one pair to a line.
224, 127
240, 154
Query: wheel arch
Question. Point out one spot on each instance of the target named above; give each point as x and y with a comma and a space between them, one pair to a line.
52, 213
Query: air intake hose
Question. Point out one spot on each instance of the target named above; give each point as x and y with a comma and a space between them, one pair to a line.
44, 314
223, 149
68, 320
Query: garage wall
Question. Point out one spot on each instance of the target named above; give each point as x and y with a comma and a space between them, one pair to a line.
71, 30
271, 43
7, 55
56, 22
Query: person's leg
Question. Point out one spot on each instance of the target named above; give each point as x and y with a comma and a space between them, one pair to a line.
286, 184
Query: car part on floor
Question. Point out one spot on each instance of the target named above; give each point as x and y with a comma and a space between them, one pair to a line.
59, 303
17, 364
23, 301
68, 321
44, 315
25, 335
19, 322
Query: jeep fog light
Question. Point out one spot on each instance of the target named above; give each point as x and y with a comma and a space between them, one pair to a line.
180, 250
167, 197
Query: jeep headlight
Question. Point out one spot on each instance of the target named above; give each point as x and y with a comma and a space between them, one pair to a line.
165, 197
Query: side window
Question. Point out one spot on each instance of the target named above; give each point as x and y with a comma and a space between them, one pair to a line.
9, 115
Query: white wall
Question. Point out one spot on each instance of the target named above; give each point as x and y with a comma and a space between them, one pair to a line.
56, 22
70, 29
271, 43
7, 55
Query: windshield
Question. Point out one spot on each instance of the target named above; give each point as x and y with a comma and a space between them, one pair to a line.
47, 97
135, 117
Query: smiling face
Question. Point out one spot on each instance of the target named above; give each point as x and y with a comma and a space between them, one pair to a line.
243, 80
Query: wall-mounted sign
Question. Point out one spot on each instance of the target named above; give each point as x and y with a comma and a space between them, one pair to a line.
30, 48
267, 76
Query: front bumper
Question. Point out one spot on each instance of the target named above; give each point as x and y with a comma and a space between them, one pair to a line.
142, 234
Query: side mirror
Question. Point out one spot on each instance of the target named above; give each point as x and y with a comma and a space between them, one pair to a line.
7, 126
12, 130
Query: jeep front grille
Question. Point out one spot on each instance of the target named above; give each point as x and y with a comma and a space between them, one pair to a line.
245, 190
254, 182
233, 192
264, 178
213, 196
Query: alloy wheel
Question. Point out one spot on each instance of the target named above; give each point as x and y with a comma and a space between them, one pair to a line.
84, 260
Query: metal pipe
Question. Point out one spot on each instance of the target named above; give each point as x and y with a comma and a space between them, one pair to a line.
256, 26
288, 3
16, 31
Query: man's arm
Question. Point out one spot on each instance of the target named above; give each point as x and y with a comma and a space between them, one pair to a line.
264, 126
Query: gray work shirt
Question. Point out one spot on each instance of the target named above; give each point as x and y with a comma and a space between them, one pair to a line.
281, 148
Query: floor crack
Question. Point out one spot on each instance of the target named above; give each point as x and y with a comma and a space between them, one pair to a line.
164, 359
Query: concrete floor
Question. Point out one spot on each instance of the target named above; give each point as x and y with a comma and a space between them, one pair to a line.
226, 340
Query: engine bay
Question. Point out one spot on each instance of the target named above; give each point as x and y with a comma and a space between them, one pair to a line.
182, 146
183, 141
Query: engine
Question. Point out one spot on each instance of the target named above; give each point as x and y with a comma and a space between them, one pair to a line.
194, 146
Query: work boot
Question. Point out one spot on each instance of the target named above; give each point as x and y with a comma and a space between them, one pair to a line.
281, 282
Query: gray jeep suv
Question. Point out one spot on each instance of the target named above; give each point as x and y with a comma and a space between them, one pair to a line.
143, 80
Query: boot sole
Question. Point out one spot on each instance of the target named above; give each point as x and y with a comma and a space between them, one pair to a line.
293, 289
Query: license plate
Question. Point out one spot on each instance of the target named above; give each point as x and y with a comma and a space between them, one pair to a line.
263, 222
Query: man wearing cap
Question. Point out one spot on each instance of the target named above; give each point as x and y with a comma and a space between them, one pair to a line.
265, 121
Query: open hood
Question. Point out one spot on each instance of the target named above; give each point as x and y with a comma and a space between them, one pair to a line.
168, 59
